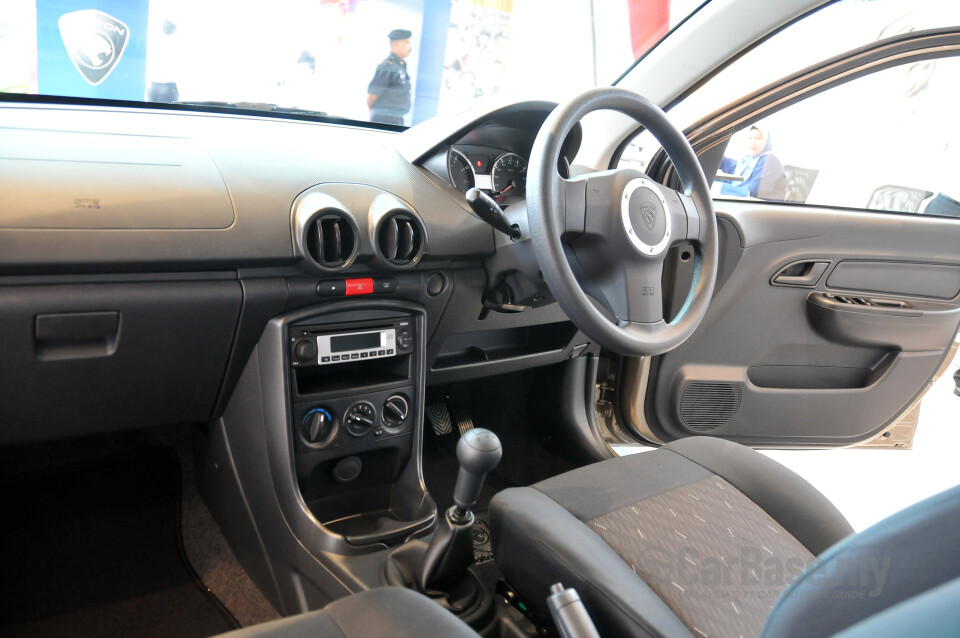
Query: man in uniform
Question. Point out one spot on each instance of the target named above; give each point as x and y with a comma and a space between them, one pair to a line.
388, 94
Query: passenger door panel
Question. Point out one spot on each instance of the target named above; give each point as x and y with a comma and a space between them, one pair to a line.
792, 353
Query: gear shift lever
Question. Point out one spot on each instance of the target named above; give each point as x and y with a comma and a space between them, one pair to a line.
479, 453
451, 551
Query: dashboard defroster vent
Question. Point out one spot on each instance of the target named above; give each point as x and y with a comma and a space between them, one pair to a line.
708, 405
400, 239
331, 240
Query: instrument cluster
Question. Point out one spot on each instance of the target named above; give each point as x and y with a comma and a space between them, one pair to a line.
503, 174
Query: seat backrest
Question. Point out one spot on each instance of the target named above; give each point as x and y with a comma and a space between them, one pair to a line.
899, 558
932, 614
799, 182
901, 199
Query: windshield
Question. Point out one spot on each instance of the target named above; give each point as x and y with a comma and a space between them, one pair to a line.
393, 61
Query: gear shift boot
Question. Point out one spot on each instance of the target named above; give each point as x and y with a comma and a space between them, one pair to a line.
450, 553
441, 569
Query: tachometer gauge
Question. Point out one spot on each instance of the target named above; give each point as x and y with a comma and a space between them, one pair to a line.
460, 171
509, 175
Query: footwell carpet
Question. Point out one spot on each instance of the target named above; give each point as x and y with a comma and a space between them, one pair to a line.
95, 550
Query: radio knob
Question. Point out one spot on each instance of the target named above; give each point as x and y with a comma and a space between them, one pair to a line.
395, 411
305, 350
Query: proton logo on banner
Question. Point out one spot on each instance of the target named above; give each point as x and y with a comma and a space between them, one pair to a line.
95, 42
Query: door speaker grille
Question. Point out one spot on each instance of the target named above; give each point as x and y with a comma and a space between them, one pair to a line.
707, 405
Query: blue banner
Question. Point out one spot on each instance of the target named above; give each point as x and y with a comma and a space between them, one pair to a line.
433, 46
92, 48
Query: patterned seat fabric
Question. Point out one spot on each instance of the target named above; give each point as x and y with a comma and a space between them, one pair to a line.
715, 558
697, 538
707, 538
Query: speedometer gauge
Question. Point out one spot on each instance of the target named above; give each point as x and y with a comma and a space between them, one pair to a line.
460, 171
509, 175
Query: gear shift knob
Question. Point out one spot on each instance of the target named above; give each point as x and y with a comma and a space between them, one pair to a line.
478, 452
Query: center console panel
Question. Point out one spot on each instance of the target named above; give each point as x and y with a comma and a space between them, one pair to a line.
354, 400
314, 470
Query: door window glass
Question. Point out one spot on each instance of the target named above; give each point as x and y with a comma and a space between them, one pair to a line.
887, 141
831, 31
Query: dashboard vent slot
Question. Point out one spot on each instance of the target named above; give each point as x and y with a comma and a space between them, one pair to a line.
707, 405
331, 240
400, 239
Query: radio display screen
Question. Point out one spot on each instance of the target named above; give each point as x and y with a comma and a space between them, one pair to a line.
361, 341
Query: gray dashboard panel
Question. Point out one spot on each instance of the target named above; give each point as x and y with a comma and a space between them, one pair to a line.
264, 162
69, 180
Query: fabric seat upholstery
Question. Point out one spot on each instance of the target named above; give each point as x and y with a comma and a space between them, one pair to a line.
386, 611
714, 530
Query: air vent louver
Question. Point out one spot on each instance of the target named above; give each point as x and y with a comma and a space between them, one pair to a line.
707, 405
400, 239
331, 240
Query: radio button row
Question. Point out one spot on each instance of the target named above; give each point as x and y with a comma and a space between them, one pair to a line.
370, 354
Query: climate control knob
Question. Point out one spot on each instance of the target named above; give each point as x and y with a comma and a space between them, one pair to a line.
395, 411
318, 426
360, 418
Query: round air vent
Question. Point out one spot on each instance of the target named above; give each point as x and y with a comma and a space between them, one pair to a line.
400, 238
330, 239
707, 405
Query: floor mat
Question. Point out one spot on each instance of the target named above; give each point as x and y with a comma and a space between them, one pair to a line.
95, 551
482, 547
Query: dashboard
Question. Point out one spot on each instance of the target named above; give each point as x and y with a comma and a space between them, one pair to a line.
144, 250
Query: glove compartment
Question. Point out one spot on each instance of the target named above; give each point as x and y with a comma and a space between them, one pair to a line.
97, 357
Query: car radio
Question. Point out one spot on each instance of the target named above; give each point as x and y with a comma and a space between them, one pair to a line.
317, 345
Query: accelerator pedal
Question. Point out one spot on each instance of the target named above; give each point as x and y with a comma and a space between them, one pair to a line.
464, 421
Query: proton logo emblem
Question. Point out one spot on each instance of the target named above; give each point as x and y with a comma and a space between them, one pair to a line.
649, 214
95, 42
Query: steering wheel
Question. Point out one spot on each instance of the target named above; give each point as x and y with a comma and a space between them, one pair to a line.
605, 235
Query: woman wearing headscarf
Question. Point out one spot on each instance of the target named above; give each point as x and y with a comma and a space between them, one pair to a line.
761, 170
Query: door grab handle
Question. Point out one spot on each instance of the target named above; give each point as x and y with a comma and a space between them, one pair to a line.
801, 273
